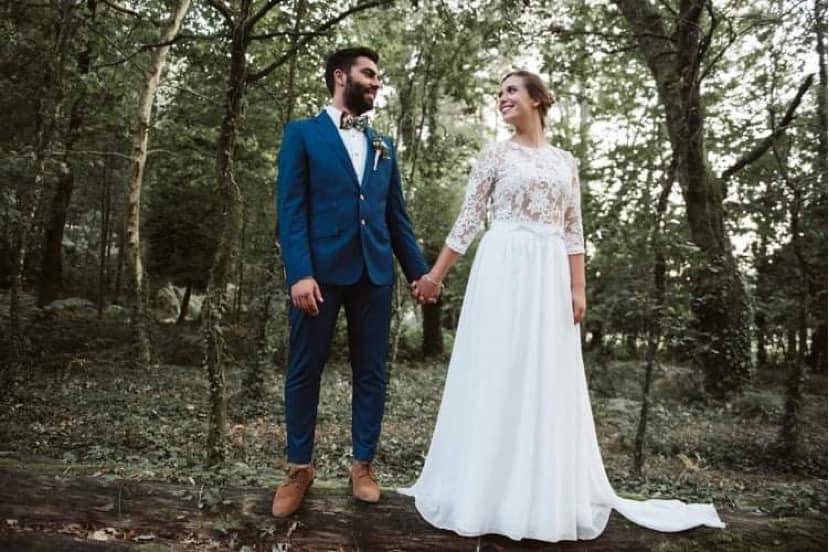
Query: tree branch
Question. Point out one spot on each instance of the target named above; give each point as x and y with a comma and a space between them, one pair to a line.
284, 33
118, 7
732, 38
223, 9
254, 19
757, 151
181, 37
669, 8
705, 43
144, 47
115, 153
690, 41
255, 76
647, 24
117, 48
613, 37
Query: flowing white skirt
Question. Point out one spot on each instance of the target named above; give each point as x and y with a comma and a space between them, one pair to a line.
514, 450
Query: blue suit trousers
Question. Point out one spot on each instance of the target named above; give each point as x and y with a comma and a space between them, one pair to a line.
368, 315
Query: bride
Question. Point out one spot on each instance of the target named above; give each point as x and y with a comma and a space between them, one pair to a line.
514, 450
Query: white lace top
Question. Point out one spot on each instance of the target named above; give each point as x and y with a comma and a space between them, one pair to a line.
524, 184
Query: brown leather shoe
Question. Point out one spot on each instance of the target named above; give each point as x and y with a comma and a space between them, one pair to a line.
291, 491
363, 483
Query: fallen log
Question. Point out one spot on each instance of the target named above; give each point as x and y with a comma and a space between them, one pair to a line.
50, 512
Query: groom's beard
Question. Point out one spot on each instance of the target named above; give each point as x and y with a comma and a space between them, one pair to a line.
356, 99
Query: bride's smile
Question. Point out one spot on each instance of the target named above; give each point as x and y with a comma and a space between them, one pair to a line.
514, 102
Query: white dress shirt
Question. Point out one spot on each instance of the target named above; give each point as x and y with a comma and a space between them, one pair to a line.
354, 142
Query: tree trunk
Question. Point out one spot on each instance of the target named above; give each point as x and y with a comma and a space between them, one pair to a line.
106, 232
719, 304
820, 32
214, 303
817, 357
798, 336
789, 430
404, 137
30, 196
761, 330
253, 387
139, 158
432, 330
119, 265
817, 352
272, 263
432, 344
398, 305
185, 304
596, 336
240, 271
51, 270
762, 357
654, 319
630, 345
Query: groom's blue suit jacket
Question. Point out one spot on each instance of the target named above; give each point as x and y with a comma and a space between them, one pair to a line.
330, 226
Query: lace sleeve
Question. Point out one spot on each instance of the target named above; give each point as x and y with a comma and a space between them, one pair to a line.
573, 231
471, 218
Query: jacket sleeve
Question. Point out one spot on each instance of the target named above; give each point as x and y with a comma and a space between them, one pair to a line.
292, 205
403, 241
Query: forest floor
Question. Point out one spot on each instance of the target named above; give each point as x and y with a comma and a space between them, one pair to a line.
82, 421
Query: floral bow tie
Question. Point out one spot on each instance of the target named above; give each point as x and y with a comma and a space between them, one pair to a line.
349, 121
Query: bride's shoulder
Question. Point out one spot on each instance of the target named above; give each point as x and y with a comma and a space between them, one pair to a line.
491, 149
493, 146
567, 155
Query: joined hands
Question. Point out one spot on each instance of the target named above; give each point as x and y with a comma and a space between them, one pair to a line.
426, 289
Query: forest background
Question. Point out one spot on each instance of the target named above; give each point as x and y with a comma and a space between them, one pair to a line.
143, 297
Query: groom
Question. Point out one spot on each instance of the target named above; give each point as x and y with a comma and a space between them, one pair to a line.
341, 221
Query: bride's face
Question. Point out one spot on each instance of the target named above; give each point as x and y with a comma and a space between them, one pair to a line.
514, 102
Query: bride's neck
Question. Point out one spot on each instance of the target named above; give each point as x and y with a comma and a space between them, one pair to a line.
530, 134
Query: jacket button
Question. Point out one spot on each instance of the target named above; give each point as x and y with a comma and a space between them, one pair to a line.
362, 197
363, 222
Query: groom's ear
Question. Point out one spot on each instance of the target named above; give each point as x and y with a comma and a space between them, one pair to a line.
340, 77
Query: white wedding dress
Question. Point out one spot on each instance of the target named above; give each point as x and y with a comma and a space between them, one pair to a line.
514, 450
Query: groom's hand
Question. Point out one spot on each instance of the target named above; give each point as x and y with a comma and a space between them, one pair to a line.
305, 294
425, 291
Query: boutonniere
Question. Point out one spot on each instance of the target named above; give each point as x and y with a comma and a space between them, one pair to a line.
381, 150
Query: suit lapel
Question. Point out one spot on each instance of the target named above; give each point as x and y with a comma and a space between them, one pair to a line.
331, 136
368, 167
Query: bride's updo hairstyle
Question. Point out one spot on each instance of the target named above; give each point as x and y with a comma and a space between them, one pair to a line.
537, 90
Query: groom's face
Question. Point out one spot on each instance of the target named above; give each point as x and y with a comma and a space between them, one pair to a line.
361, 85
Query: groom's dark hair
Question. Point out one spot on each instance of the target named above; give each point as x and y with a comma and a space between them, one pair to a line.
343, 59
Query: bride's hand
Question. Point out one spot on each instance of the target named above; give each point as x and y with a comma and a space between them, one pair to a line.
426, 290
579, 304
